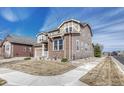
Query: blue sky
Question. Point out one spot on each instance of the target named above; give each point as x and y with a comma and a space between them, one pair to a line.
107, 23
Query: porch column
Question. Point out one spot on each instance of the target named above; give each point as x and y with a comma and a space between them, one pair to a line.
35, 53
65, 47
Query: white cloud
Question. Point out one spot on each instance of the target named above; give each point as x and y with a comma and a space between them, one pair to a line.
99, 19
16, 14
108, 24
7, 14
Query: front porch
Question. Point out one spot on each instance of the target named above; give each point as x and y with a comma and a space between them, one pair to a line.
41, 51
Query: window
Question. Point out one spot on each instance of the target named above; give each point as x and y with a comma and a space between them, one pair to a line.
40, 39
86, 47
77, 45
29, 49
70, 29
60, 44
82, 45
55, 44
24, 49
66, 30
7, 47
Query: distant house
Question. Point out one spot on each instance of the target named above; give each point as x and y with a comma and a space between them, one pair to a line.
0, 47
121, 53
72, 39
17, 46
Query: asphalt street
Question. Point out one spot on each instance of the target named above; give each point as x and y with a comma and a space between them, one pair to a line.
120, 59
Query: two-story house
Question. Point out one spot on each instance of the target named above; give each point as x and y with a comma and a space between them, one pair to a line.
72, 40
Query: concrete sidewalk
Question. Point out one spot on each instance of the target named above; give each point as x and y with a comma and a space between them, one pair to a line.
69, 78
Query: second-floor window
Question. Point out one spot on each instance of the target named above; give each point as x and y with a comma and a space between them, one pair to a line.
66, 30
58, 44
40, 39
70, 29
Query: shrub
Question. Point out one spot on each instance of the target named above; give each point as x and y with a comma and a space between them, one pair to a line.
97, 50
64, 60
27, 58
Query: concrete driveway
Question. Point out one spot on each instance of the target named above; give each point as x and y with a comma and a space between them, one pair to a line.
69, 78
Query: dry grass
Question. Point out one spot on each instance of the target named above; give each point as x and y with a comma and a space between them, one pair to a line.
105, 73
40, 68
2, 82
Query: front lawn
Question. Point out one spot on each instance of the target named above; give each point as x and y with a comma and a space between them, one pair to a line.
104, 74
40, 68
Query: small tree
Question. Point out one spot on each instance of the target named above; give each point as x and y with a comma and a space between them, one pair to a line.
98, 50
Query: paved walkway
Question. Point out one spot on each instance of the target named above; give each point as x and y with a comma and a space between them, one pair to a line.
69, 78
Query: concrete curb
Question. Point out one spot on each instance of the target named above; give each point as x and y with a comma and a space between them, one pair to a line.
120, 66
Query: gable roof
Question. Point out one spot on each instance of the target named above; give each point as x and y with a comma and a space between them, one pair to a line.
76, 21
20, 40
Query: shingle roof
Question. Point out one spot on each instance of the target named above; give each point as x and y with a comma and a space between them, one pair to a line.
38, 44
21, 40
48, 31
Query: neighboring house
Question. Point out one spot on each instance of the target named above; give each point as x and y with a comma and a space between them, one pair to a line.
0, 47
17, 46
72, 40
